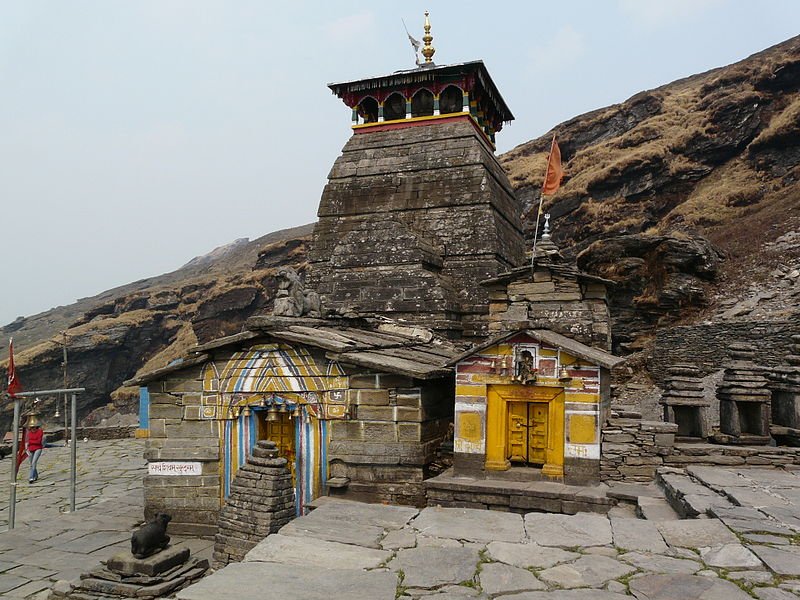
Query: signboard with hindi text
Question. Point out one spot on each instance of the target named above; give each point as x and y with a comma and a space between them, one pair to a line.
175, 468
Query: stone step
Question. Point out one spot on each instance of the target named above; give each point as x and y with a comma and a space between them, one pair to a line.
655, 509
687, 497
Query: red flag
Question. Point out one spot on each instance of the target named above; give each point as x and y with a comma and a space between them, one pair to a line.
14, 386
554, 172
22, 454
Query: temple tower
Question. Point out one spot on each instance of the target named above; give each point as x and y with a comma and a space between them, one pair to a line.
417, 210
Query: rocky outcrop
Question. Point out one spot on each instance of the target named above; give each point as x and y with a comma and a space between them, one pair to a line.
660, 278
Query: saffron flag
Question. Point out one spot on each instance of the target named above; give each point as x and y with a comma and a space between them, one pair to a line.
554, 172
14, 386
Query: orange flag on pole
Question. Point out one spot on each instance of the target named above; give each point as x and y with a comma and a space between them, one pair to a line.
554, 172
14, 385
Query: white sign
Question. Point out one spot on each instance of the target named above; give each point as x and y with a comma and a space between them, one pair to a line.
174, 468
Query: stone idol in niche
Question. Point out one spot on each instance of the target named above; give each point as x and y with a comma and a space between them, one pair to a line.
151, 537
525, 372
292, 299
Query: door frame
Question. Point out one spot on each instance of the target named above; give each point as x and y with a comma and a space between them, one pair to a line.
497, 399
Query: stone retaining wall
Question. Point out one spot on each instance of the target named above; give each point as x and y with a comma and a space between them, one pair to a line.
715, 454
707, 345
96, 433
632, 450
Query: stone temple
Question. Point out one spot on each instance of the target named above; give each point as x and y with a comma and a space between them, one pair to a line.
417, 209
421, 323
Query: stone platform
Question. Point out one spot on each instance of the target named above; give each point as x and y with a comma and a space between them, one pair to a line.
344, 550
504, 493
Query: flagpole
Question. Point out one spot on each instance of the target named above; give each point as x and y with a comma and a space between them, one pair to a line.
12, 500
536, 231
541, 200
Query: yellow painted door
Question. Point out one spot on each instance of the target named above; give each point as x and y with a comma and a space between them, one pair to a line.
527, 432
537, 433
281, 432
518, 431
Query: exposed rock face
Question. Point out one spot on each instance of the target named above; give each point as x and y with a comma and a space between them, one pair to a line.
410, 222
658, 278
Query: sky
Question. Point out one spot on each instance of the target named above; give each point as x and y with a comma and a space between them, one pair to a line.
138, 134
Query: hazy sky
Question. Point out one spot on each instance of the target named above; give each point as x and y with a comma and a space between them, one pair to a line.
135, 135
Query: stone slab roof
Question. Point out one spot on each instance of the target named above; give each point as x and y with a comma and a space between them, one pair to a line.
411, 351
388, 347
593, 355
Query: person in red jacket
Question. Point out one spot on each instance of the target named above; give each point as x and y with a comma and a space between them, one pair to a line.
34, 442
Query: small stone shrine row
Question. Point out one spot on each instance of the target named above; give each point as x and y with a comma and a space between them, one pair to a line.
261, 501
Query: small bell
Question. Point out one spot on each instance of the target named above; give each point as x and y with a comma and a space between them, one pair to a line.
284, 408
563, 375
246, 412
235, 412
296, 411
263, 403
33, 421
58, 414
272, 413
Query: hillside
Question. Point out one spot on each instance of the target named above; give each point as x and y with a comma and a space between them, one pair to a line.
687, 196
149, 322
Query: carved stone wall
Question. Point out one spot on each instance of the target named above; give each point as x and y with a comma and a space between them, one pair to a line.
410, 222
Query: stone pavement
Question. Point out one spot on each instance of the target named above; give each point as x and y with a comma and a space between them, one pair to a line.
746, 544
48, 543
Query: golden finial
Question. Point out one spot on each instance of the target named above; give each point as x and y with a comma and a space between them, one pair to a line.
428, 50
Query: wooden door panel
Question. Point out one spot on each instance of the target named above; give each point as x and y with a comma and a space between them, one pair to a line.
518, 431
537, 437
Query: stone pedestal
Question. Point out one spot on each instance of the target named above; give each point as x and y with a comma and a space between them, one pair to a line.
685, 403
125, 576
260, 503
785, 388
744, 401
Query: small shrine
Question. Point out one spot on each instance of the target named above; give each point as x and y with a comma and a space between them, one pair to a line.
535, 396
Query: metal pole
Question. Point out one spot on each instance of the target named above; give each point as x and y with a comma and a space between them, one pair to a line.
73, 448
12, 501
66, 439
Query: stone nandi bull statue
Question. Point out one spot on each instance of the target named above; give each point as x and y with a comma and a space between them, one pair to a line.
292, 299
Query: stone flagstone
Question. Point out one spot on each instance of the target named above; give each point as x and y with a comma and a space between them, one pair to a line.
497, 579
585, 594
529, 555
685, 587
730, 556
637, 534
346, 532
290, 550
430, 567
656, 563
587, 571
470, 524
783, 561
695, 533
567, 531
260, 580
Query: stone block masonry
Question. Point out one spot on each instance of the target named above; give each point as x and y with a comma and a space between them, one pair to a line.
193, 501
707, 345
398, 427
632, 450
410, 222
